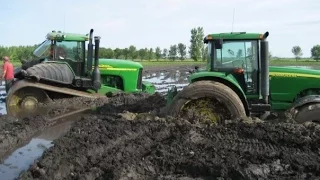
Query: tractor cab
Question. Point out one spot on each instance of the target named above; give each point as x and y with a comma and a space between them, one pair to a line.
237, 54
64, 47
66, 61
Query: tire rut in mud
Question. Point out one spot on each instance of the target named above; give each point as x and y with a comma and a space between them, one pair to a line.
105, 147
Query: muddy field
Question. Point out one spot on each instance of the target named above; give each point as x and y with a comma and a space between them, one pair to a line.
116, 145
126, 139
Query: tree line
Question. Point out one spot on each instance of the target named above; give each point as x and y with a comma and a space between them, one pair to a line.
196, 51
315, 52
176, 51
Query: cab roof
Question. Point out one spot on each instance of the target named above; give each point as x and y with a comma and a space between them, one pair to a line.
234, 35
66, 36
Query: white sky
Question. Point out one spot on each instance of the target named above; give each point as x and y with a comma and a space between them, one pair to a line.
152, 23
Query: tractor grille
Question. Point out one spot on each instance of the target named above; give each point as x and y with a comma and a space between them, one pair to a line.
139, 81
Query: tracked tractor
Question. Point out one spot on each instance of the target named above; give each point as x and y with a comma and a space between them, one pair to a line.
62, 67
238, 82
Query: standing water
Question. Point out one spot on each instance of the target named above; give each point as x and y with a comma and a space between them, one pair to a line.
20, 159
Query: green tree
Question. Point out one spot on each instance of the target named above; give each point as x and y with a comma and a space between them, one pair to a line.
132, 52
173, 52
117, 53
315, 52
135, 55
297, 51
142, 54
125, 53
182, 51
194, 48
158, 53
105, 52
200, 44
165, 53
150, 54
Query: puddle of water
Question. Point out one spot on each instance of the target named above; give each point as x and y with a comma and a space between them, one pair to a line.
164, 80
23, 157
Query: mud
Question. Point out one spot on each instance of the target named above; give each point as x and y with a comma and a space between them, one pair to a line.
16, 131
117, 144
105, 147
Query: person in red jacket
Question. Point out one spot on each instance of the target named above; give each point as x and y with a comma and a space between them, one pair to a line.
7, 72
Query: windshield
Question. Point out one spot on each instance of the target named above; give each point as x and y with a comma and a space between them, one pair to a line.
237, 54
42, 50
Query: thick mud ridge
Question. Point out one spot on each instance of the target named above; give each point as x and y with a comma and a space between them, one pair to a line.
112, 147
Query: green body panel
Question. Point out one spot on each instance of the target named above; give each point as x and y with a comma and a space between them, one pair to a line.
204, 74
287, 82
128, 71
201, 74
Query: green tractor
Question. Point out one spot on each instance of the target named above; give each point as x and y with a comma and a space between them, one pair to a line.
238, 82
63, 68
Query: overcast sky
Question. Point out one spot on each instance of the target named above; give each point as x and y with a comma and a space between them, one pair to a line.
152, 23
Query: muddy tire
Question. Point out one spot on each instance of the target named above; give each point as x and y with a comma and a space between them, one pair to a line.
25, 100
309, 112
216, 92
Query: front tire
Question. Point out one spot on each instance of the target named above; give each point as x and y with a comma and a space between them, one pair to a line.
207, 101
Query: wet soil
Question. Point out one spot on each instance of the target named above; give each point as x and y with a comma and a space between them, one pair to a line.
105, 147
16, 131
117, 144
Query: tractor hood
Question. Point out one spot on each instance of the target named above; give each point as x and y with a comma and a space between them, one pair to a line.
293, 72
119, 63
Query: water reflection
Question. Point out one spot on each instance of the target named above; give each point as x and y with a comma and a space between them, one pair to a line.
164, 80
23, 157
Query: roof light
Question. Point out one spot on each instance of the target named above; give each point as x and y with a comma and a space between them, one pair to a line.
260, 36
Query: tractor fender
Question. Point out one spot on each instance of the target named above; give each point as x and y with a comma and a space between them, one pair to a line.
306, 100
222, 78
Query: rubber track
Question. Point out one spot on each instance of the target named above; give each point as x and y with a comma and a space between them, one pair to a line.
53, 72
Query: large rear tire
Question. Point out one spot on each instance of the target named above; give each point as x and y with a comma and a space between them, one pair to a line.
207, 101
308, 113
25, 101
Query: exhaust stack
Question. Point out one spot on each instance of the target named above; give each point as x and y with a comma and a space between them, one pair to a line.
265, 68
90, 52
96, 78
